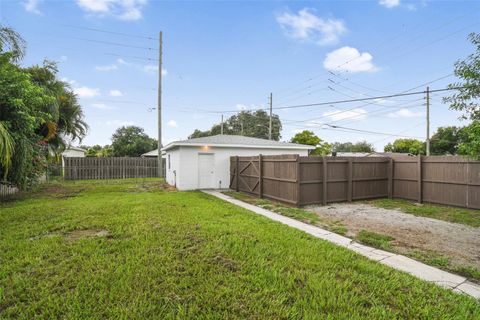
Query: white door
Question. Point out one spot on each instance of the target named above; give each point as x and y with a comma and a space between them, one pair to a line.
206, 170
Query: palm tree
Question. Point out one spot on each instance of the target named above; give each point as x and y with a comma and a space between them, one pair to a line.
12, 42
6, 149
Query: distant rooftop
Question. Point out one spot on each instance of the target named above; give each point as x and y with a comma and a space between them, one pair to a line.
237, 141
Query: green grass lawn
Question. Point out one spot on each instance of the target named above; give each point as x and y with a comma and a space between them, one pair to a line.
128, 250
468, 217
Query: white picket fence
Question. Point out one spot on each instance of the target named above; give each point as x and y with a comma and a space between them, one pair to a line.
7, 189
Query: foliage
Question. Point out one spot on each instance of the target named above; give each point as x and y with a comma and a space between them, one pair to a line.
470, 145
247, 123
306, 137
23, 110
412, 146
99, 151
362, 146
131, 141
466, 97
446, 140
6, 149
188, 255
309, 138
67, 114
11, 41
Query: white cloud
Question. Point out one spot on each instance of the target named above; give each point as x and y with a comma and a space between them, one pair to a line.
405, 113
121, 61
152, 68
172, 123
32, 6
389, 3
63, 58
101, 106
106, 68
243, 107
86, 92
115, 93
357, 113
349, 59
120, 9
307, 26
69, 81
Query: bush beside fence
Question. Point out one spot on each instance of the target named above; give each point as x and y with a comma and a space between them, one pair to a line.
300, 180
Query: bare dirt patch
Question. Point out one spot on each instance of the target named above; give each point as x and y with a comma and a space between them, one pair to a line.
458, 242
154, 186
78, 234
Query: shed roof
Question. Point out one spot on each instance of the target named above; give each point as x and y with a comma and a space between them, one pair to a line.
237, 142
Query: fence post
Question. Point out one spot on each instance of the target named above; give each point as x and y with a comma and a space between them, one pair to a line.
236, 173
350, 180
324, 181
419, 171
298, 178
390, 178
260, 175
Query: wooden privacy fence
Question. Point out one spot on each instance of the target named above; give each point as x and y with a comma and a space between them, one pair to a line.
109, 168
321, 180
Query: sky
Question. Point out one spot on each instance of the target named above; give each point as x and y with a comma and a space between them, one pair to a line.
220, 57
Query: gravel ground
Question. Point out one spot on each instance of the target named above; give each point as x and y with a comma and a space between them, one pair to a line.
459, 242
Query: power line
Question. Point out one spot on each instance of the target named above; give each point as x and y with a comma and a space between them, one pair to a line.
111, 32
115, 44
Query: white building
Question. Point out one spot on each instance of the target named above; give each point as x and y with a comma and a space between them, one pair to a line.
204, 163
72, 152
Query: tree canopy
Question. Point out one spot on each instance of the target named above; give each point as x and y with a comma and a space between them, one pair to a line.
466, 98
38, 113
309, 138
131, 141
412, 146
247, 123
446, 140
361, 146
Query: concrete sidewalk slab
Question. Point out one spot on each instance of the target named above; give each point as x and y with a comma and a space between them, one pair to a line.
399, 262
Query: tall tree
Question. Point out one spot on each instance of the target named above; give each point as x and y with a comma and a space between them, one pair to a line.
412, 146
68, 124
248, 123
361, 146
131, 141
466, 98
310, 138
11, 41
445, 140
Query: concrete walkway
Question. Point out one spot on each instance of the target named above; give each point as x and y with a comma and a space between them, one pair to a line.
399, 262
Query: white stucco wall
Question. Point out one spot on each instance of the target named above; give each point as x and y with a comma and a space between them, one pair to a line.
71, 153
185, 161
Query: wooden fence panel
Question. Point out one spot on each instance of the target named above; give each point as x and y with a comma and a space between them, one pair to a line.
314, 180
109, 168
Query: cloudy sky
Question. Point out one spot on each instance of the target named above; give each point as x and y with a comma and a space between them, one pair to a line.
225, 56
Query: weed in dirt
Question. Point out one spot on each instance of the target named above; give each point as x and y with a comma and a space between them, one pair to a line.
377, 240
467, 217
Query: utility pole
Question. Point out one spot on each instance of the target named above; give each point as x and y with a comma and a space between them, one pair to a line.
241, 125
270, 123
221, 128
159, 108
428, 122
